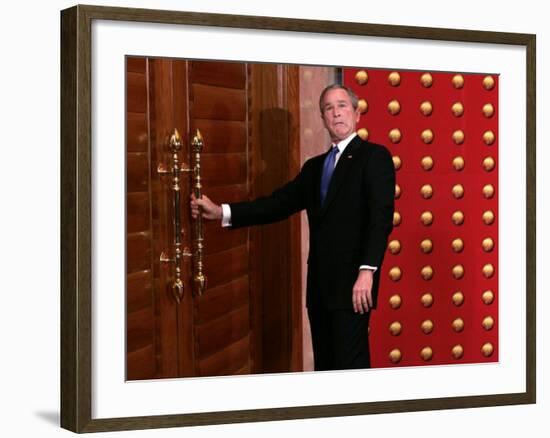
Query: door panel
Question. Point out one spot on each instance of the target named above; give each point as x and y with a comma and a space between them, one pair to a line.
137, 133
221, 300
218, 103
168, 111
224, 136
234, 359
213, 336
137, 208
218, 240
140, 318
222, 74
137, 92
230, 264
224, 169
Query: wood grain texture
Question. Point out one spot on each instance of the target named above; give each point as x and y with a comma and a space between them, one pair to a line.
162, 124
218, 239
234, 359
223, 169
138, 252
219, 109
141, 342
136, 132
216, 103
221, 136
271, 124
218, 334
255, 233
309, 26
223, 299
139, 289
137, 212
136, 100
296, 236
136, 64
137, 172
141, 363
72, 329
531, 218
227, 193
180, 105
229, 264
140, 329
220, 74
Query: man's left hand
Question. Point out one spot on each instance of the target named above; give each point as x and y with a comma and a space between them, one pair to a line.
362, 291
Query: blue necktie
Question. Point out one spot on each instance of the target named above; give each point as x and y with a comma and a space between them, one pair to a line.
328, 169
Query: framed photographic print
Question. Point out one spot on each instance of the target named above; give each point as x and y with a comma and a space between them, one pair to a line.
170, 320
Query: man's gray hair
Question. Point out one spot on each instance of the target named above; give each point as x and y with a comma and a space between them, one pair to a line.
351, 94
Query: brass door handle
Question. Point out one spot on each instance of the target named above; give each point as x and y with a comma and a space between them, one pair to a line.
199, 279
198, 275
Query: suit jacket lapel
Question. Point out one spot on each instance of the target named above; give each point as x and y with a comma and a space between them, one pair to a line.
340, 173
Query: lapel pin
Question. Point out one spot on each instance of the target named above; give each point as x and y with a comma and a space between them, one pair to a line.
350, 156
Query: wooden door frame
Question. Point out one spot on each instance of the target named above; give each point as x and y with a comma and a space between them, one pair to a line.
274, 160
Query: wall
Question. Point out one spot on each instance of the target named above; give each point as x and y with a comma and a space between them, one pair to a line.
30, 191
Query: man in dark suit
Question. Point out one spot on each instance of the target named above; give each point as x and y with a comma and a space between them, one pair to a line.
348, 193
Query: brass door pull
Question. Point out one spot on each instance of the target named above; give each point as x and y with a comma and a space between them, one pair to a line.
198, 275
176, 169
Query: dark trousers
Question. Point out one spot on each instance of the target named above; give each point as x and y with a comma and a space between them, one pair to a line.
340, 339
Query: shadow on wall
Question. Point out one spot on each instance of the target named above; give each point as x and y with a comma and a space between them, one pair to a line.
49, 417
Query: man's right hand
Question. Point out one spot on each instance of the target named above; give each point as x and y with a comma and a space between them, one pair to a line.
209, 209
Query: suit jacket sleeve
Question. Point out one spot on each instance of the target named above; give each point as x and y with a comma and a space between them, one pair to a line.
283, 202
379, 181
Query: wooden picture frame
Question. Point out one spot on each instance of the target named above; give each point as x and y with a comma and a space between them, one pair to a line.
76, 217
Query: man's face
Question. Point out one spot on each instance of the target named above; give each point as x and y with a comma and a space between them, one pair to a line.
339, 117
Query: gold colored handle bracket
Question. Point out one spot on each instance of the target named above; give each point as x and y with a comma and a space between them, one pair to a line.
164, 258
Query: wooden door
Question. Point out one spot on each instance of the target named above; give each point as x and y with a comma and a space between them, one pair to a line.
225, 330
222, 316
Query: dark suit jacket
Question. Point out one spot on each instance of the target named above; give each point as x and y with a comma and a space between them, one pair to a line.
351, 227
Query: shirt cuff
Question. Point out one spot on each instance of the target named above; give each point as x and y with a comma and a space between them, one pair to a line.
370, 268
226, 215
